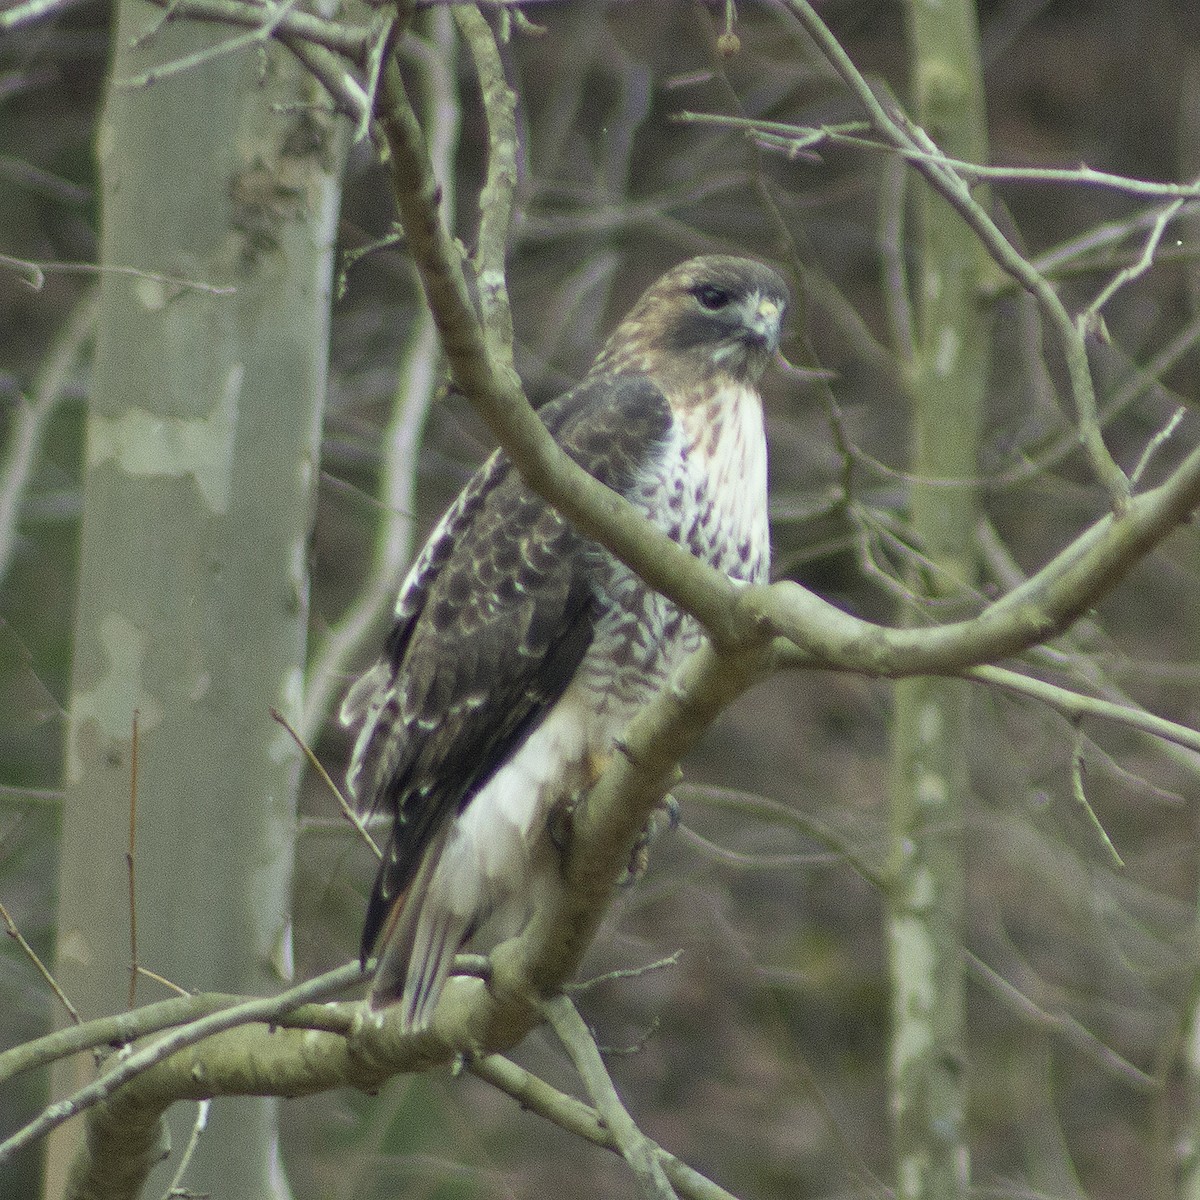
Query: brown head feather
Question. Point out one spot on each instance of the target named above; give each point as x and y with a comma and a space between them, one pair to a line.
710, 321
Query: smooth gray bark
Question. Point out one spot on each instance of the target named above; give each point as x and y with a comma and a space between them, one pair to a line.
203, 438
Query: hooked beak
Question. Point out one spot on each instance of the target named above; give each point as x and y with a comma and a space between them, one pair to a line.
762, 318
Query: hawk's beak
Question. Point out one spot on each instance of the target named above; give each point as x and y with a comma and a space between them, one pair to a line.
763, 317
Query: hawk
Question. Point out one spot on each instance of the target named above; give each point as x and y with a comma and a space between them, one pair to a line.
521, 649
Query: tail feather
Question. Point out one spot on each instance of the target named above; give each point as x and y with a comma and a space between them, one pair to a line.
438, 939
418, 945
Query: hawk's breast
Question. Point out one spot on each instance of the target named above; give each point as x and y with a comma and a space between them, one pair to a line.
707, 490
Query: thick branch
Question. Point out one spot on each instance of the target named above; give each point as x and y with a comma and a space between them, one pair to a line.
123, 1028
1047, 603
141, 1065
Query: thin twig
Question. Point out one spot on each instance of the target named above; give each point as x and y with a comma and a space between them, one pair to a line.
757, 861
10, 927
1061, 1023
316, 764
659, 964
175, 1188
1076, 705
496, 196
1156, 443
763, 808
1091, 314
1082, 252
272, 17
582, 1120
36, 272
1078, 770
382, 43
1142, 378
328, 69
808, 137
163, 981
350, 42
906, 137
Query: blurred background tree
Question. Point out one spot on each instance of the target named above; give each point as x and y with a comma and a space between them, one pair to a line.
761, 1056
202, 440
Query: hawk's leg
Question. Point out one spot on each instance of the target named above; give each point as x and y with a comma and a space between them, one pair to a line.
558, 823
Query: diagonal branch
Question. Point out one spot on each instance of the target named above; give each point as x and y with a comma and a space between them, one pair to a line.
634, 1146
1046, 604
138, 1064
581, 1119
352, 42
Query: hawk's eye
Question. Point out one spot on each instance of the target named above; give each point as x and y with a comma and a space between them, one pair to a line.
711, 296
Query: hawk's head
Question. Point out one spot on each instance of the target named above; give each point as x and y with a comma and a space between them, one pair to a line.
710, 316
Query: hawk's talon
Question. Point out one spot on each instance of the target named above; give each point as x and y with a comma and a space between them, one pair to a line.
639, 855
670, 806
561, 818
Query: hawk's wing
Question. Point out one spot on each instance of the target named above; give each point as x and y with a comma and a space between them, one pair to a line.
490, 626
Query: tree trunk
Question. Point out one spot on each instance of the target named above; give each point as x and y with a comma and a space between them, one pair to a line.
201, 461
931, 736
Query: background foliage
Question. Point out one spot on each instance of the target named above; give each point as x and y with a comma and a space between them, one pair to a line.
760, 1056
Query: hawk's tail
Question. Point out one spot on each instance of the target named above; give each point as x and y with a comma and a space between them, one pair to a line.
417, 947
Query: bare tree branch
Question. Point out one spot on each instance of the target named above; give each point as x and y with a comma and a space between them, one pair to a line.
1076, 705
138, 1064
123, 1028
584, 1121
352, 42
496, 195
34, 12
635, 1148
1091, 566
31, 418
906, 137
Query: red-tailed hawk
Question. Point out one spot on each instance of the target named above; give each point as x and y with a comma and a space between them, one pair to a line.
521, 649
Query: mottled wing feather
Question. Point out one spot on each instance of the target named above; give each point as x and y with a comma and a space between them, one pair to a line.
490, 627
